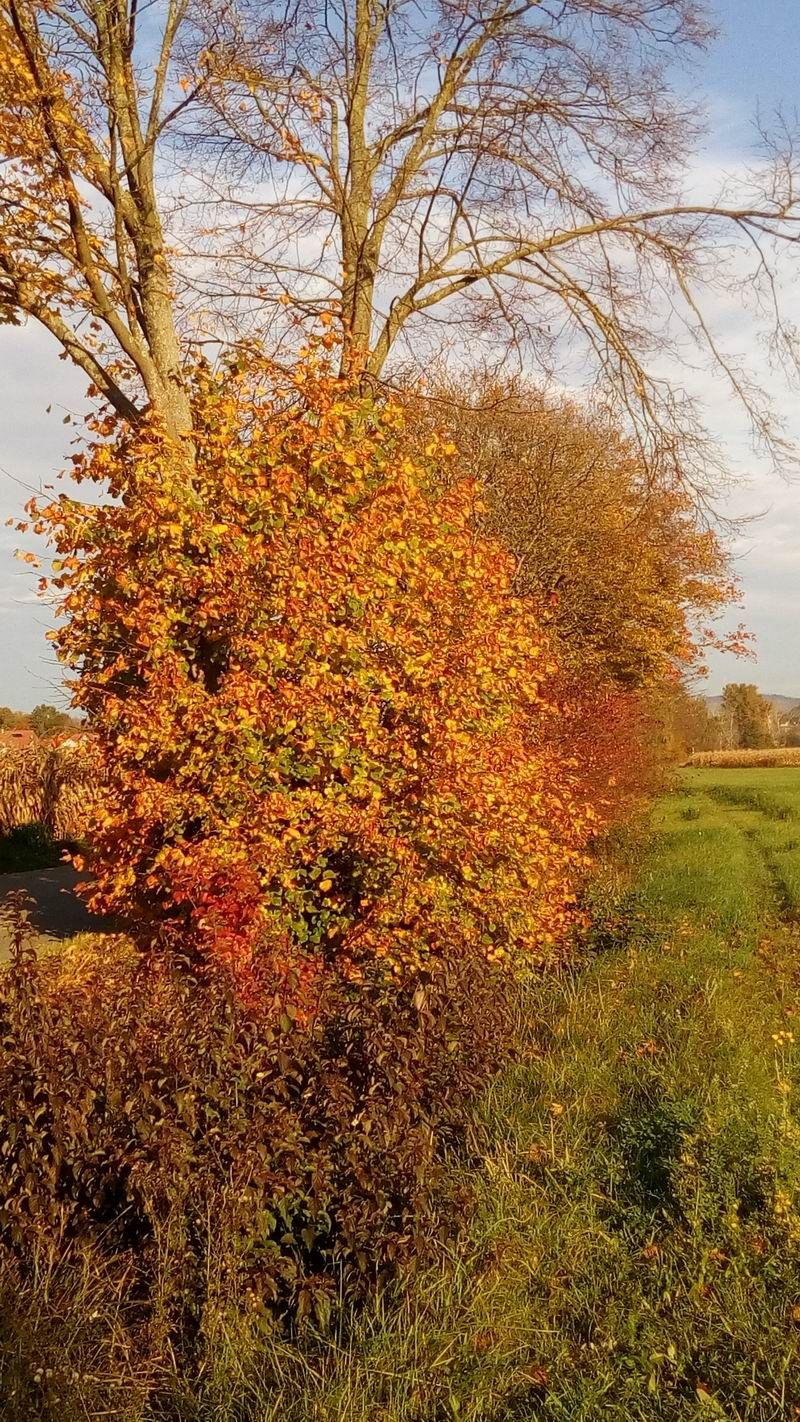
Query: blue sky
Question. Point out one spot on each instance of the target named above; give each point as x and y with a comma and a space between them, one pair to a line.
756, 55
752, 65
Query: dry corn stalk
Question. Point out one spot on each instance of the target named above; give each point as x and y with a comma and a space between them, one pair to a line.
739, 759
48, 785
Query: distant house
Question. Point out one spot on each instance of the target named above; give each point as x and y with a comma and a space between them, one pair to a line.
23, 736
17, 739
72, 735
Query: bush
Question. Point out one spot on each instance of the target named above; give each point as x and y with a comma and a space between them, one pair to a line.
326, 726
205, 1154
336, 804
31, 846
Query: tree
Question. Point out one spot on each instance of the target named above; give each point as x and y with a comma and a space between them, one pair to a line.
790, 728
746, 717
498, 166
624, 571
47, 721
86, 96
686, 723
10, 720
324, 721
511, 167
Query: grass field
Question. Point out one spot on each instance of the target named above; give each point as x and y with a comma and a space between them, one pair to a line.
756, 814
635, 1247
632, 1248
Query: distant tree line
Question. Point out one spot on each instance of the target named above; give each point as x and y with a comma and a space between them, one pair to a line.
746, 720
45, 721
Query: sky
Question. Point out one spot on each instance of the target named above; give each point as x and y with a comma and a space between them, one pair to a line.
752, 67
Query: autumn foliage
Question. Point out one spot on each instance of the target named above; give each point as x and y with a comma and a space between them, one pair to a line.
612, 554
350, 783
327, 724
612, 559
336, 807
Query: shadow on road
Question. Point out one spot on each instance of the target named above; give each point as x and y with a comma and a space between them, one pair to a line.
54, 911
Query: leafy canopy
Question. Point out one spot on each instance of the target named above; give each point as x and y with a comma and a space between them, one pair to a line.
613, 554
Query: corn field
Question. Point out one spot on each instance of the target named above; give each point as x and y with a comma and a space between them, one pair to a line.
739, 759
48, 785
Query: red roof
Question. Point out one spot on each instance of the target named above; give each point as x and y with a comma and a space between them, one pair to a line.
16, 739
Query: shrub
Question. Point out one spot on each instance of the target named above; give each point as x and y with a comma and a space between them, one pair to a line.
609, 736
560, 483
326, 726
30, 846
335, 805
206, 1156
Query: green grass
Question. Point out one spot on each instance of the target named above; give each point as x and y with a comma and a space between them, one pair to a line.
631, 1241
764, 806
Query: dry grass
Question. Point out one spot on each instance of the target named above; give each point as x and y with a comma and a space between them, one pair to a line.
746, 759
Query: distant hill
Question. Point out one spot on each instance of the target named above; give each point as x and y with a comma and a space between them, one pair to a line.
781, 703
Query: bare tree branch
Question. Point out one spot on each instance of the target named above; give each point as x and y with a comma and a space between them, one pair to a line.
82, 245
513, 171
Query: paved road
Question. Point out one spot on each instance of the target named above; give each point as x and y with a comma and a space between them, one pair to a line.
54, 910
